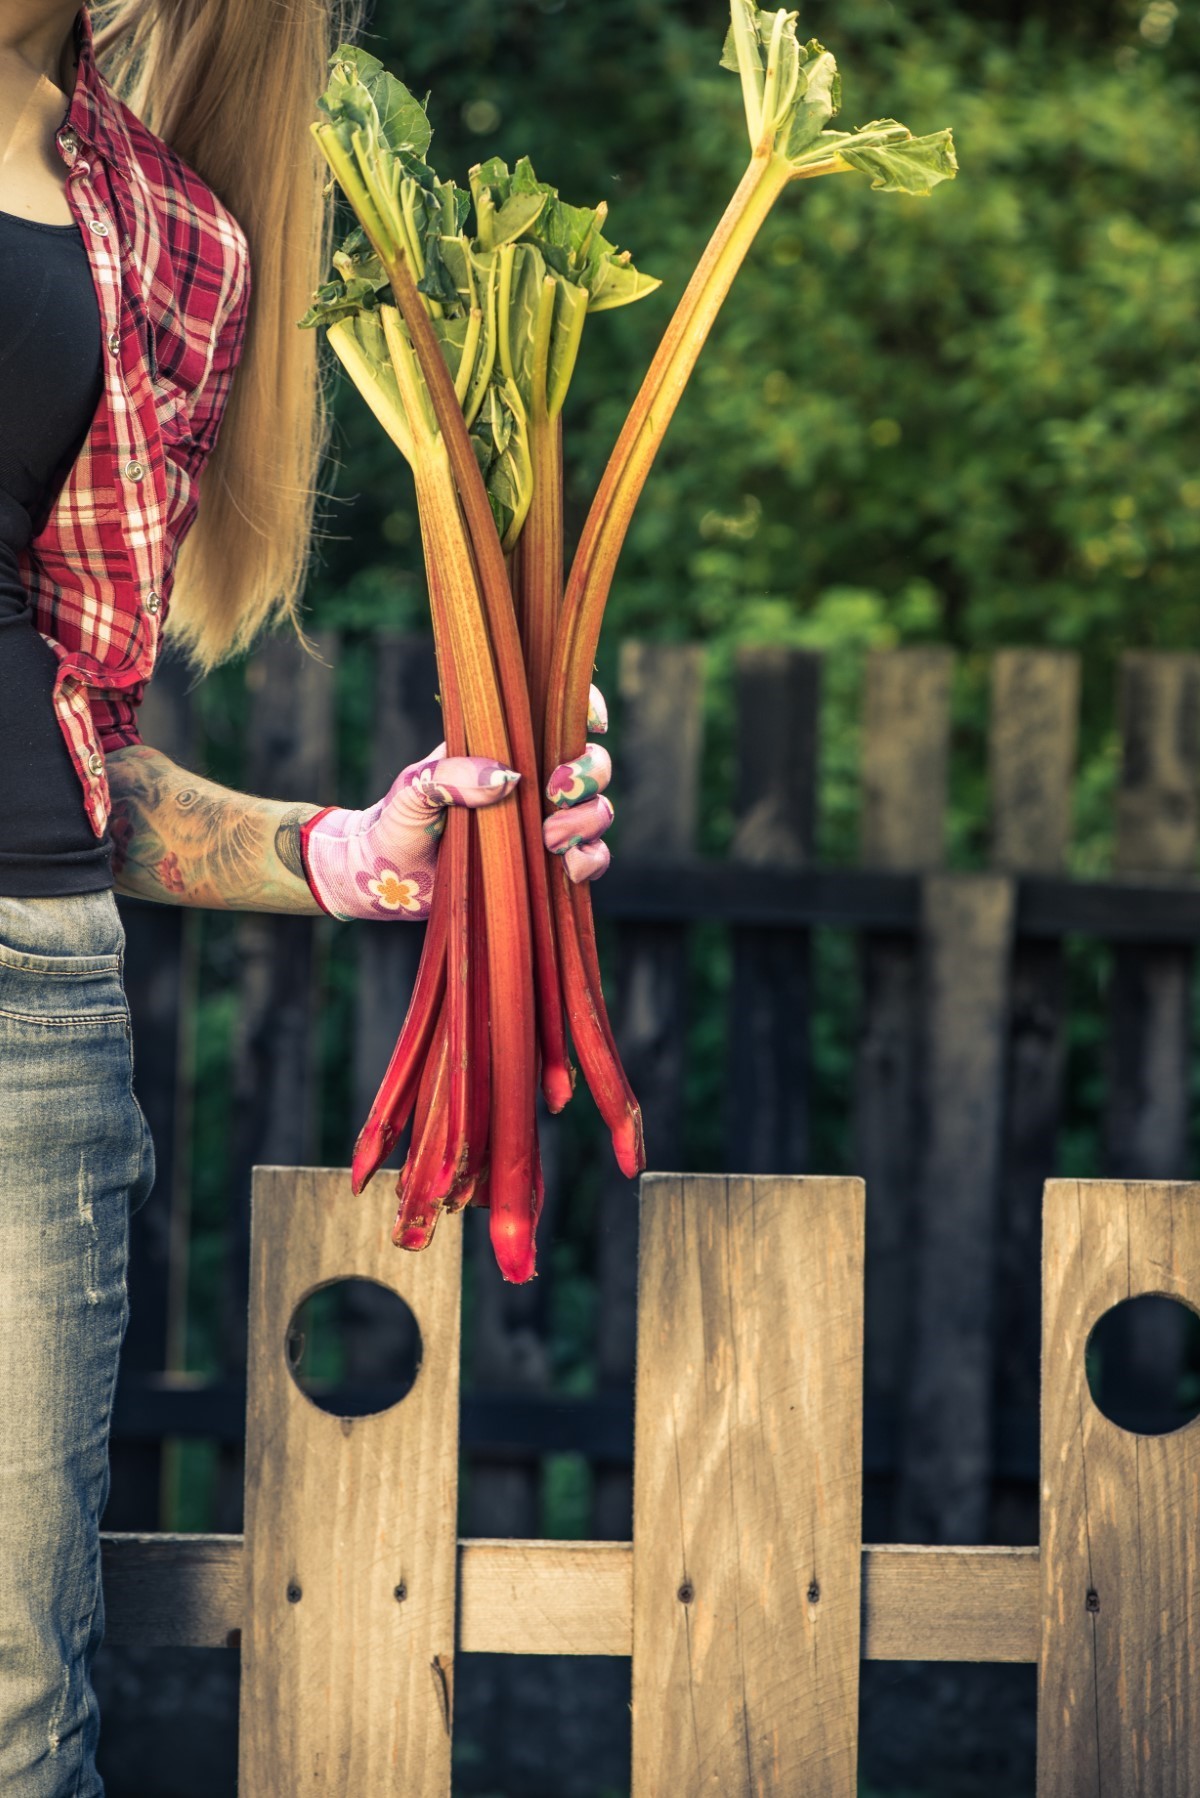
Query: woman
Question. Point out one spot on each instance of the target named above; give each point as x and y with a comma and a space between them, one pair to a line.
156, 251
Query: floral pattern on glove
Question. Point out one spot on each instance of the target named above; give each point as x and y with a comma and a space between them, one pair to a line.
389, 892
581, 779
581, 813
379, 863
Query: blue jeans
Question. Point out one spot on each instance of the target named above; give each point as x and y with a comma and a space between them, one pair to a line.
75, 1159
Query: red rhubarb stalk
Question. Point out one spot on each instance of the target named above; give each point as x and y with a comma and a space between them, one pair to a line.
608, 520
417, 1216
456, 853
397, 1093
509, 662
505, 891
474, 1179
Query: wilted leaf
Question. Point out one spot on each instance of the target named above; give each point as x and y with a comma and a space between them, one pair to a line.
898, 165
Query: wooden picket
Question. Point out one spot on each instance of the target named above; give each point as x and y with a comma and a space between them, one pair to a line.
746, 1598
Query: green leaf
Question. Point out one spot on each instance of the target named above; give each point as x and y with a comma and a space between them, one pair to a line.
363, 92
523, 274
512, 220
818, 97
897, 164
571, 305
500, 440
757, 25
568, 237
616, 282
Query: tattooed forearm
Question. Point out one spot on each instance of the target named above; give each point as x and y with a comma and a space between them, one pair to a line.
186, 841
287, 839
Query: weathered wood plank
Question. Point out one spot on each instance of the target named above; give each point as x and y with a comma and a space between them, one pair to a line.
545, 1597
947, 1448
700, 889
173, 1591
1148, 1110
918, 1604
1032, 742
905, 755
950, 1604
1119, 1699
658, 740
748, 1487
1033, 735
778, 712
350, 1523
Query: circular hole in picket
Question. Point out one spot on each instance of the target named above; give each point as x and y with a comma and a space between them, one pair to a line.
353, 1347
1143, 1365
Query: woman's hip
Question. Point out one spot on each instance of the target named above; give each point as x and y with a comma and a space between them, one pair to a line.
72, 1135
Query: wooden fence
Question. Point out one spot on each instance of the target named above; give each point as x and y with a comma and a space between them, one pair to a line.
746, 1597
956, 1071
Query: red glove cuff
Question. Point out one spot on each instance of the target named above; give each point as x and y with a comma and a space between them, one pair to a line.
305, 830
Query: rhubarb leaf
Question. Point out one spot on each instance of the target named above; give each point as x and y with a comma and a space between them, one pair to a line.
896, 161
501, 444
568, 237
437, 283
335, 300
747, 20
818, 97
362, 92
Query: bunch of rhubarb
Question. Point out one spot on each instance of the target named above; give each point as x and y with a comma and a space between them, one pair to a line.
459, 317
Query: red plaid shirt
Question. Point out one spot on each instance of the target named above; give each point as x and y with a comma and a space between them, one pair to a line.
172, 274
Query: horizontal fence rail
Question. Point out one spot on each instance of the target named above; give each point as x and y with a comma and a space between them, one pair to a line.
918, 1604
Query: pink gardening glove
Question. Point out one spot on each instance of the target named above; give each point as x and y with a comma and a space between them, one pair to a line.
582, 814
380, 863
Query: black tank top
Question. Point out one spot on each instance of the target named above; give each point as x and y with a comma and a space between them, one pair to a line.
51, 380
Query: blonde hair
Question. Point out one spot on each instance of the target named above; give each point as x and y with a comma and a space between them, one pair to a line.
231, 86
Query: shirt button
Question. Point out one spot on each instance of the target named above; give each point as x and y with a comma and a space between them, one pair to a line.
134, 470
68, 142
153, 601
98, 226
96, 764
114, 342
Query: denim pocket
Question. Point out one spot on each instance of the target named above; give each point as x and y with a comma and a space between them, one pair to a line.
61, 959
28, 961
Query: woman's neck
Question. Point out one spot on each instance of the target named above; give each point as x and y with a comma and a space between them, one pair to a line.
40, 35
